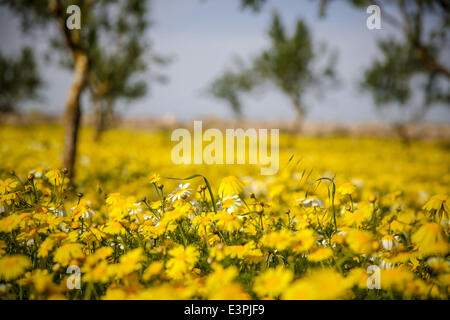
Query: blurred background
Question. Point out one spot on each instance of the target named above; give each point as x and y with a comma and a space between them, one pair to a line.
305, 66
74, 74
201, 40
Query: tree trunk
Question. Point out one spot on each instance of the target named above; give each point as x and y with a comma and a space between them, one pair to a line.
99, 119
300, 116
72, 112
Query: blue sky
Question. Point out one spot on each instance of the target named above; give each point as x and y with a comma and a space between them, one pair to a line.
203, 37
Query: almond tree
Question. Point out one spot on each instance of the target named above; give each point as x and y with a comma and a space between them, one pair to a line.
19, 80
77, 48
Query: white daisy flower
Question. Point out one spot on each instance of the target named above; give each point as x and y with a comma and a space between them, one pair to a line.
180, 192
308, 203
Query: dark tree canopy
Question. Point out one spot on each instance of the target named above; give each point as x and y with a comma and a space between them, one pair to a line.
19, 80
289, 63
104, 53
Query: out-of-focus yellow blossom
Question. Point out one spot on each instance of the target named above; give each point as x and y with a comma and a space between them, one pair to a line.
230, 186
320, 284
9, 223
182, 261
13, 266
68, 252
346, 189
359, 241
438, 205
320, 254
302, 240
430, 239
227, 221
129, 262
279, 240
395, 278
272, 282
155, 268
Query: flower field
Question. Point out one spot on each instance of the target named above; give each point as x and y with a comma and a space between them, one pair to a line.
344, 218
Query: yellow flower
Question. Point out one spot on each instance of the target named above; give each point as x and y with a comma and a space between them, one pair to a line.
359, 241
357, 218
346, 189
114, 227
131, 261
235, 251
272, 282
395, 278
230, 186
439, 205
7, 185
203, 220
319, 284
163, 292
218, 252
439, 264
113, 198
82, 210
154, 178
101, 272
280, 240
182, 261
68, 252
227, 221
13, 266
219, 278
231, 291
430, 239
46, 246
54, 177
303, 240
42, 280
321, 254
10, 223
101, 253
153, 269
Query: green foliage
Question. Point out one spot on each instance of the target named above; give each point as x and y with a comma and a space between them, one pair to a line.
19, 80
254, 5
122, 54
229, 87
290, 63
415, 58
389, 78
413, 64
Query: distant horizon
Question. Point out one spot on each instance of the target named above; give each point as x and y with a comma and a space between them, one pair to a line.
171, 118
